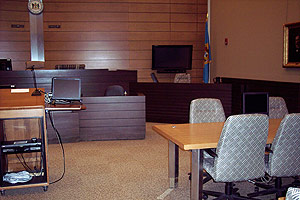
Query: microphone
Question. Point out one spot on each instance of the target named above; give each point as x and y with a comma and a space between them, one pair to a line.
35, 65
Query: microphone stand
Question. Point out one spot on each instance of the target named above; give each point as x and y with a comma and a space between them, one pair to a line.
36, 92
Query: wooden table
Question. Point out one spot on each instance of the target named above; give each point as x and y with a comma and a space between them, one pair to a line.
196, 138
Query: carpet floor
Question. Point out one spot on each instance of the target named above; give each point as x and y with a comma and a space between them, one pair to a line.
116, 170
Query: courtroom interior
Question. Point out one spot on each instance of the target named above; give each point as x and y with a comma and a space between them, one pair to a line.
115, 99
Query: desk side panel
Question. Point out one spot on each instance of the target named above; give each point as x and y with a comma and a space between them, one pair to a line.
113, 118
67, 124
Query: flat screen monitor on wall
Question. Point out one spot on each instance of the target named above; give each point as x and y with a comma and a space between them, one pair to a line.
172, 58
255, 102
66, 89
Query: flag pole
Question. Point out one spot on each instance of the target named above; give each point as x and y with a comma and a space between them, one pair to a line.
208, 27
207, 56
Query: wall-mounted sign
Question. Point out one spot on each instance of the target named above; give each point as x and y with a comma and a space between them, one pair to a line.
35, 6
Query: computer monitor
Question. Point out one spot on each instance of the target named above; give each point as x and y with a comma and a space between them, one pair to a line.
5, 65
256, 102
66, 89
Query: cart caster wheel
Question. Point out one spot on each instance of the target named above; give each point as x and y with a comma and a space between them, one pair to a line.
256, 189
2, 192
45, 188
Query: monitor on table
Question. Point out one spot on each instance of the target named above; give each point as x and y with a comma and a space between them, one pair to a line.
255, 102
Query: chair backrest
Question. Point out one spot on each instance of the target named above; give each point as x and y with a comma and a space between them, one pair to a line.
114, 90
285, 159
182, 78
241, 148
277, 108
206, 110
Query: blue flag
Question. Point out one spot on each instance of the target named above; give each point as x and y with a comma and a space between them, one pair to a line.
207, 58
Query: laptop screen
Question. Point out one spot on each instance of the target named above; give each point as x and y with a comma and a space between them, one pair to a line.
66, 88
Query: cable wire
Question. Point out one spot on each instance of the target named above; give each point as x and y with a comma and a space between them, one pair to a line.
26, 167
62, 148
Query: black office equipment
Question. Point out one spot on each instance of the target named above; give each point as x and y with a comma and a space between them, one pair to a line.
172, 58
68, 89
256, 102
5, 64
21, 146
8, 86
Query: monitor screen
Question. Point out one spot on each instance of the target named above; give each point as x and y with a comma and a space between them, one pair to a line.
172, 58
5, 65
66, 88
255, 102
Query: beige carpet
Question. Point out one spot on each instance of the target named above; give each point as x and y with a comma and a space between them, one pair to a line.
115, 170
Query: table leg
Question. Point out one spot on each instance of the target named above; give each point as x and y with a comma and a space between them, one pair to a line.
197, 174
173, 164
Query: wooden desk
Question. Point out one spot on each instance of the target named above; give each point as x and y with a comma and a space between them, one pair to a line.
19, 109
22, 117
196, 138
22, 97
64, 107
19, 98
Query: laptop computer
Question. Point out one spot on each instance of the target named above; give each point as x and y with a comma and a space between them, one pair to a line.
66, 89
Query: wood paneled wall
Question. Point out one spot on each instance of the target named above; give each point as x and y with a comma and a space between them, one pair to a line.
93, 81
106, 34
289, 91
170, 102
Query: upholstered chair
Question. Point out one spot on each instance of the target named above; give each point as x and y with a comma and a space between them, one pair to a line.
239, 154
277, 108
284, 157
206, 110
114, 90
182, 78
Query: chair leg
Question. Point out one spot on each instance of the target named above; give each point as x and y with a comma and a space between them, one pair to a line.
230, 193
229, 188
278, 184
277, 189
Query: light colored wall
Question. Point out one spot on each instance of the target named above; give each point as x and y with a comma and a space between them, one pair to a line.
254, 29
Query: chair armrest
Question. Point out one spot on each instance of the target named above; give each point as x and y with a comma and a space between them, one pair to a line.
211, 152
